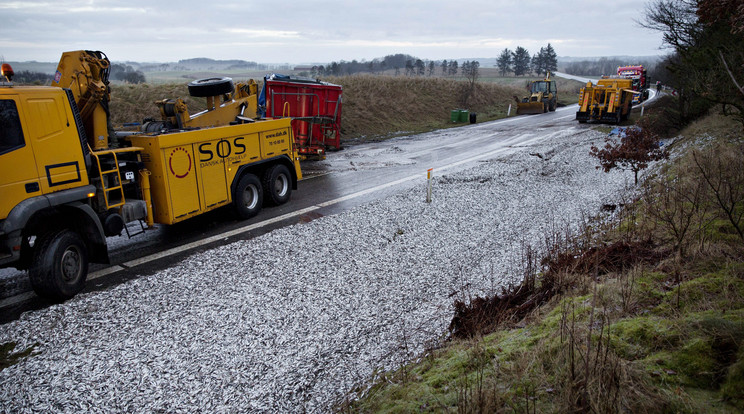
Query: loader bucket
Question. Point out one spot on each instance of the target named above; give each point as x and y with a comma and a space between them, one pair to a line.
530, 108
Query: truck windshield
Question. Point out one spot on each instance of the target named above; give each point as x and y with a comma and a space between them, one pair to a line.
11, 135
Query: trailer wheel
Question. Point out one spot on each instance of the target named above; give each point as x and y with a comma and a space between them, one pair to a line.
248, 197
201, 88
60, 265
277, 184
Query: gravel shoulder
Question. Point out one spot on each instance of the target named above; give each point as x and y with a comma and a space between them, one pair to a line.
293, 320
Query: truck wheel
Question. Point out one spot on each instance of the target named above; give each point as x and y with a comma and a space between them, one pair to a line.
277, 184
545, 106
248, 197
211, 87
60, 266
553, 105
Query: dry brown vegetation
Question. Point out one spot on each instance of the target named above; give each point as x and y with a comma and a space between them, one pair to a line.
133, 103
373, 106
382, 105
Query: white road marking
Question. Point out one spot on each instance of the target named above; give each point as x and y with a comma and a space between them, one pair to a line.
104, 272
240, 230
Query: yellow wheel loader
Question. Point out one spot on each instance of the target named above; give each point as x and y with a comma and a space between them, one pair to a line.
543, 97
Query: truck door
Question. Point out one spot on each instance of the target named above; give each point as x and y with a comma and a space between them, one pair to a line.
53, 133
18, 175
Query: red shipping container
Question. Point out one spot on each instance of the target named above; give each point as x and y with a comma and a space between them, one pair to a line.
313, 105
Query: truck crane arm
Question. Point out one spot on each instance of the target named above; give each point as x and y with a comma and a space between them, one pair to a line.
86, 74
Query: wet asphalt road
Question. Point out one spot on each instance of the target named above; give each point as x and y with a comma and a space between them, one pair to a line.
348, 178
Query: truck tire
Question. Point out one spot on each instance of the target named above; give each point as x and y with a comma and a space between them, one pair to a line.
60, 265
545, 105
277, 184
201, 88
553, 105
248, 197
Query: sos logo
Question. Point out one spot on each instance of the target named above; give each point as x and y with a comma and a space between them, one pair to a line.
222, 149
179, 162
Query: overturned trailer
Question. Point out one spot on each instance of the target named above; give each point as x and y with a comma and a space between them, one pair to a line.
313, 105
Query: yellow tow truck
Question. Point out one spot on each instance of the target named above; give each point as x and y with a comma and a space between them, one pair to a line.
65, 187
609, 101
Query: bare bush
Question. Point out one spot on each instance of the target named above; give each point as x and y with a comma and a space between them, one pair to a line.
722, 170
678, 205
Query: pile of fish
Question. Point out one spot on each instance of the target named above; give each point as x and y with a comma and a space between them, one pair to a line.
293, 320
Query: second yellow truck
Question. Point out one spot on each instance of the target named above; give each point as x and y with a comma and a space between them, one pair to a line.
64, 188
609, 101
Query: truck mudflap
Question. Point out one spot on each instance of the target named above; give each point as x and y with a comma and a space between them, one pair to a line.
9, 253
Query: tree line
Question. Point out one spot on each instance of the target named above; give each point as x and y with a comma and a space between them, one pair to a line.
124, 73
601, 66
400, 63
521, 63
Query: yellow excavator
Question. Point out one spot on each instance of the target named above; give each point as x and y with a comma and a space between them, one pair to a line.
543, 97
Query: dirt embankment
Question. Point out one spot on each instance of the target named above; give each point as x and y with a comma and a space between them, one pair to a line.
374, 106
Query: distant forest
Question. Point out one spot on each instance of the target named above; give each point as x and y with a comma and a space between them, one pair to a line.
519, 62
602, 66
32, 78
398, 62
124, 73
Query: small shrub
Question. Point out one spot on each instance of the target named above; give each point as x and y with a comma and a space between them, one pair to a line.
635, 150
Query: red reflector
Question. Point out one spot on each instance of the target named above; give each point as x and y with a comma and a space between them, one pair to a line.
16, 248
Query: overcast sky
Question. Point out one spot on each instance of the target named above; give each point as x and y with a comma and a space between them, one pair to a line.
322, 31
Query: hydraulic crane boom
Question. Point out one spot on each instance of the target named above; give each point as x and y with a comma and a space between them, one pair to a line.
86, 73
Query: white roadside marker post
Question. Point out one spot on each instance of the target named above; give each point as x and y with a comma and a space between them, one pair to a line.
508, 112
428, 185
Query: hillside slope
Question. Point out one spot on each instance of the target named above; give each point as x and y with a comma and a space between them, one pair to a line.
373, 106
